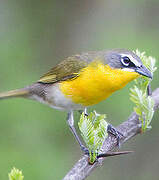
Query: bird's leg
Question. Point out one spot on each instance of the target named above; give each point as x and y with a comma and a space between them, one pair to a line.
85, 111
70, 120
113, 131
149, 91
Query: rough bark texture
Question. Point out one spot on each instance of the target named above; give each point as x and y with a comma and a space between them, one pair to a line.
129, 128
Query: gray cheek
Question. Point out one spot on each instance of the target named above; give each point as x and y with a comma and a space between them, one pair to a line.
114, 63
113, 60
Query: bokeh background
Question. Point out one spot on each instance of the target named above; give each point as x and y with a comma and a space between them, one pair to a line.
34, 36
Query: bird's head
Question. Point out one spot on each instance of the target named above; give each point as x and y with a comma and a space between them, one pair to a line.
127, 61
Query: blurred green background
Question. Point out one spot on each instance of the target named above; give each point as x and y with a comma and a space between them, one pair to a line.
34, 36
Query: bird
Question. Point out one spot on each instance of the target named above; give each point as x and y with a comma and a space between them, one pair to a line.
83, 80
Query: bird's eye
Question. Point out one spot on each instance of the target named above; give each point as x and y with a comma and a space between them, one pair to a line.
125, 61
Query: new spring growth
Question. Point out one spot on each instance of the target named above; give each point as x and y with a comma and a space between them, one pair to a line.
15, 174
144, 104
93, 130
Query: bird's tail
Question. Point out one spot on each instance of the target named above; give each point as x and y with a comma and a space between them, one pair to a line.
14, 93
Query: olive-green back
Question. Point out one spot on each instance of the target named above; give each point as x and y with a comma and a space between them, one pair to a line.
67, 69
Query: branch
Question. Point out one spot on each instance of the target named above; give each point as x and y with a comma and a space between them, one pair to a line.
129, 128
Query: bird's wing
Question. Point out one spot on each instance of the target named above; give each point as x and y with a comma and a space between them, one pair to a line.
67, 69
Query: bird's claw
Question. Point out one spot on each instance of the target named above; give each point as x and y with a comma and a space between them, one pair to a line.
85, 150
117, 134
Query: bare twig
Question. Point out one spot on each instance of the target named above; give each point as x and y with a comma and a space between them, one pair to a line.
129, 128
108, 154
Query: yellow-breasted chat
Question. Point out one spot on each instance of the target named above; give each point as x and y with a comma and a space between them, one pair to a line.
83, 80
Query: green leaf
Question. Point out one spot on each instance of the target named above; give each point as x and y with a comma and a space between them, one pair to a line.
138, 94
15, 174
93, 130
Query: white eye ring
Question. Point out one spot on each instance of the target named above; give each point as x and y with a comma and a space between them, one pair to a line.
125, 61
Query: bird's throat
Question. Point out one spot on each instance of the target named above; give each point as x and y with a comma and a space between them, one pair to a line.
95, 83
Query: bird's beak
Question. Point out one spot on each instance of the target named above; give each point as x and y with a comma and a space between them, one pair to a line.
144, 71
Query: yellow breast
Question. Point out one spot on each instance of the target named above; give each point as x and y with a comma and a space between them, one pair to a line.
95, 83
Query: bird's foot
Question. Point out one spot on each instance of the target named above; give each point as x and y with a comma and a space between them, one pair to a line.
114, 132
85, 150
85, 113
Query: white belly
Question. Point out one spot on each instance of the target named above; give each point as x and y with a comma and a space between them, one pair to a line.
57, 100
